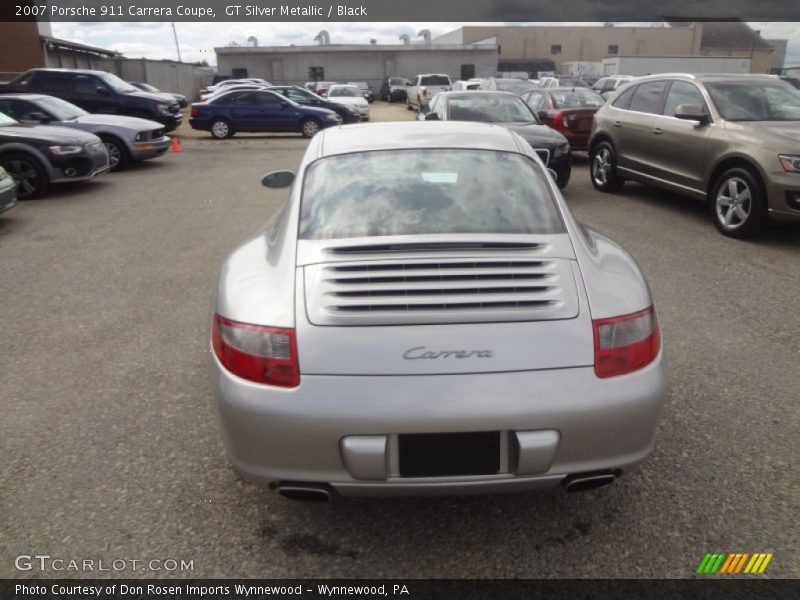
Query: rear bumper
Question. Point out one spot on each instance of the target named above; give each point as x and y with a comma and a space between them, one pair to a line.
275, 434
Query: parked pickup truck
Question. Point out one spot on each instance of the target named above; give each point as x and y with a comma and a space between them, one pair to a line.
98, 92
424, 87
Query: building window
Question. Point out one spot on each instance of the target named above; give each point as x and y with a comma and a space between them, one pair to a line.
499, 49
613, 49
316, 73
555, 49
467, 72
239, 73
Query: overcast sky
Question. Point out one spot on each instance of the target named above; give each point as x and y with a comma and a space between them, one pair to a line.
197, 40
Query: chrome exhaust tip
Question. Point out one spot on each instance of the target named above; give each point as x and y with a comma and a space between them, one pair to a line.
303, 492
589, 481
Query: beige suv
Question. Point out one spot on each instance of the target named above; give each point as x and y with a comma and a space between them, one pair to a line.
733, 140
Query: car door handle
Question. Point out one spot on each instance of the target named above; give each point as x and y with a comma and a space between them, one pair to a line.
658, 130
617, 123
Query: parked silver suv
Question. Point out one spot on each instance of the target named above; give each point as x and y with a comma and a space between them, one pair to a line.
731, 139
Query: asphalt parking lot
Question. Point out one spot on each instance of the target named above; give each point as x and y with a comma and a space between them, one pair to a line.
110, 445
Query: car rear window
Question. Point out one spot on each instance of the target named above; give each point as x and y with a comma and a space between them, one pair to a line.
408, 192
435, 80
577, 99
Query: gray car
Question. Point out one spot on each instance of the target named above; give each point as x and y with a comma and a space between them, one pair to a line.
126, 138
732, 141
425, 316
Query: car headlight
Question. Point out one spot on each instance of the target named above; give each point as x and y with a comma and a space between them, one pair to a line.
561, 150
162, 108
3, 174
66, 150
790, 164
353, 110
332, 117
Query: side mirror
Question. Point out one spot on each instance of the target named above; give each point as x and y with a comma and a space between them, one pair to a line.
692, 112
278, 179
553, 175
284, 104
102, 90
432, 116
542, 114
39, 116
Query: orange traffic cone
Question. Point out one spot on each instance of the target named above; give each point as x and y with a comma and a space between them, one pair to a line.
176, 145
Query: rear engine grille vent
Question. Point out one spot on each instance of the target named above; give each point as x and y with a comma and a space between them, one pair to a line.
444, 291
433, 247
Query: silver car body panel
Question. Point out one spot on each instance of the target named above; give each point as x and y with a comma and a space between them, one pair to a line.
362, 384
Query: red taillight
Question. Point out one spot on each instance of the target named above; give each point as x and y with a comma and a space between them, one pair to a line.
625, 344
261, 354
558, 120
194, 111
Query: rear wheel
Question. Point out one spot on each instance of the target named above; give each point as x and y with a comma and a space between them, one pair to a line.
408, 105
221, 129
603, 168
738, 204
29, 173
118, 156
309, 127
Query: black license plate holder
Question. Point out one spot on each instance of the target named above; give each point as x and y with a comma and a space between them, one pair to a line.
449, 454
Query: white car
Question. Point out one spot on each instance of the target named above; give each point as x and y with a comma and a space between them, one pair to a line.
350, 95
231, 88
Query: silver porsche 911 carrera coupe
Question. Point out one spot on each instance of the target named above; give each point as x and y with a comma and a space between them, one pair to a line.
425, 316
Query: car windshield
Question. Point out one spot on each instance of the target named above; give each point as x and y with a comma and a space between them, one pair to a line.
6, 120
118, 85
743, 101
576, 99
345, 91
397, 81
489, 108
415, 192
572, 81
60, 109
360, 85
435, 80
516, 87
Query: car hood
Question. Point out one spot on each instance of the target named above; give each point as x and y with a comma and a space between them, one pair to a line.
536, 134
118, 121
165, 98
355, 101
782, 132
315, 110
47, 134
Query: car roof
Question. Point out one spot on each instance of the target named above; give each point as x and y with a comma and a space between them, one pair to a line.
450, 94
408, 135
709, 77
24, 96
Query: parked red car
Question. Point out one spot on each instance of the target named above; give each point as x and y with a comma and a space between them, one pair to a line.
567, 110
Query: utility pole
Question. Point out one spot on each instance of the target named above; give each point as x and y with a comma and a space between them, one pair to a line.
177, 46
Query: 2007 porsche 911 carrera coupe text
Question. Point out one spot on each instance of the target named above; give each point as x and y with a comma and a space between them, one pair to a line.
425, 316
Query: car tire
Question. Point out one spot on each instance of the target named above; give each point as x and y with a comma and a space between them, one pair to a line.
118, 156
738, 203
603, 168
221, 129
310, 127
408, 105
29, 173
562, 179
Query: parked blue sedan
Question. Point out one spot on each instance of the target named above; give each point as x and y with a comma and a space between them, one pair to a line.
258, 110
